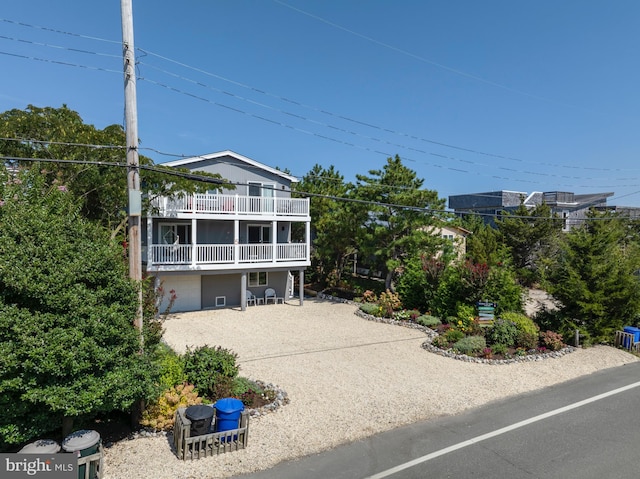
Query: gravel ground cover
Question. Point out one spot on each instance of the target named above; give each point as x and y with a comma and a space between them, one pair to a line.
346, 378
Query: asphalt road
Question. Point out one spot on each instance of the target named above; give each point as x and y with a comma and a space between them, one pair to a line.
585, 428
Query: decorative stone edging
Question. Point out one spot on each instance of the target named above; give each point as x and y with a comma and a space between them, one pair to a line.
431, 334
447, 353
281, 399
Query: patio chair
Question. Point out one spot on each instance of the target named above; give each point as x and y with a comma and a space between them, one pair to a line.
270, 295
251, 298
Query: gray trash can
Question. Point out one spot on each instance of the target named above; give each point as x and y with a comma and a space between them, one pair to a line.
201, 417
41, 446
83, 443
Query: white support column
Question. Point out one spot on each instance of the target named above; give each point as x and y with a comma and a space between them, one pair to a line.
194, 235
236, 241
301, 275
243, 291
307, 238
274, 241
149, 242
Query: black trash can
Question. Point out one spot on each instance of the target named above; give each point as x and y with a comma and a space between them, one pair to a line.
200, 417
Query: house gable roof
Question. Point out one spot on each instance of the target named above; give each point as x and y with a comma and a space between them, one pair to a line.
192, 162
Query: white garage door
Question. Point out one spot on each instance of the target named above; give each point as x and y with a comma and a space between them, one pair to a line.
187, 289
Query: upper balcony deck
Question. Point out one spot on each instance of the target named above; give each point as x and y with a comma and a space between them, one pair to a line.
233, 205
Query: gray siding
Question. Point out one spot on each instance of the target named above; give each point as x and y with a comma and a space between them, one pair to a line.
232, 168
229, 285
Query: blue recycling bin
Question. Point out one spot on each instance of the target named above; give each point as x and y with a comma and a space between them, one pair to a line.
636, 335
228, 411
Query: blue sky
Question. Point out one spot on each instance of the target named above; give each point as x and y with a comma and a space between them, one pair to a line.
473, 95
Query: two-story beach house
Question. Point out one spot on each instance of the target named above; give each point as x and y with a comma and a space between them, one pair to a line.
227, 248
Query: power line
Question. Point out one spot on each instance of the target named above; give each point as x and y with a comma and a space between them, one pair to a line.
349, 119
290, 101
421, 58
390, 154
59, 62
53, 30
217, 181
59, 47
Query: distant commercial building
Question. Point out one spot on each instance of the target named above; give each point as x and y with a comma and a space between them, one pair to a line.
572, 208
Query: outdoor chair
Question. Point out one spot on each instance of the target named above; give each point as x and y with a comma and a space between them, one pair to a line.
251, 298
270, 295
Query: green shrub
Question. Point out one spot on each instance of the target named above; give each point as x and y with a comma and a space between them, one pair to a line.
370, 308
440, 342
499, 349
522, 322
251, 393
210, 368
527, 340
470, 345
159, 414
428, 320
502, 332
170, 365
453, 335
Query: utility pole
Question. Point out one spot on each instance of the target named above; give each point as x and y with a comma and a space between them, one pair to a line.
133, 170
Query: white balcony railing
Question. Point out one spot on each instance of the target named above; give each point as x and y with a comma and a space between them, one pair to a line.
233, 204
203, 254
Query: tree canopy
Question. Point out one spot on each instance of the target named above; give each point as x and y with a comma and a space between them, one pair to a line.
400, 216
595, 277
67, 344
60, 134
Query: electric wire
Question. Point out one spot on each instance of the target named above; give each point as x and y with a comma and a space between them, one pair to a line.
60, 47
60, 62
222, 182
419, 57
367, 124
355, 121
391, 154
319, 123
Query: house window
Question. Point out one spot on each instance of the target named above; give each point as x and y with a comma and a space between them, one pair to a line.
258, 278
259, 234
565, 222
448, 237
263, 194
174, 233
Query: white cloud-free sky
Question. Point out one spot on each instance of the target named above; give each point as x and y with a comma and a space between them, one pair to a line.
473, 95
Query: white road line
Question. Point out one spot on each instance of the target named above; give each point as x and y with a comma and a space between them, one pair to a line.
498, 432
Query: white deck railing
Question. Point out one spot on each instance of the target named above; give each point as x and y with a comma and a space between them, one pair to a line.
227, 253
233, 204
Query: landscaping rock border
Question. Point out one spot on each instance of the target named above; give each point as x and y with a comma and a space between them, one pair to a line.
431, 334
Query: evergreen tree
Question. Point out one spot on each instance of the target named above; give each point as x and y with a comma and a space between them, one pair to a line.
595, 277
529, 235
334, 223
402, 217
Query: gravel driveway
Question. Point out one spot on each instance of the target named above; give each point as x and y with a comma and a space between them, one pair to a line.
346, 378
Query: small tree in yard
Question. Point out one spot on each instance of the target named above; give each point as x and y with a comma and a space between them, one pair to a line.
67, 344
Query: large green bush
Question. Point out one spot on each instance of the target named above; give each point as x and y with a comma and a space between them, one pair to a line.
210, 369
68, 347
171, 367
522, 322
413, 287
502, 332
